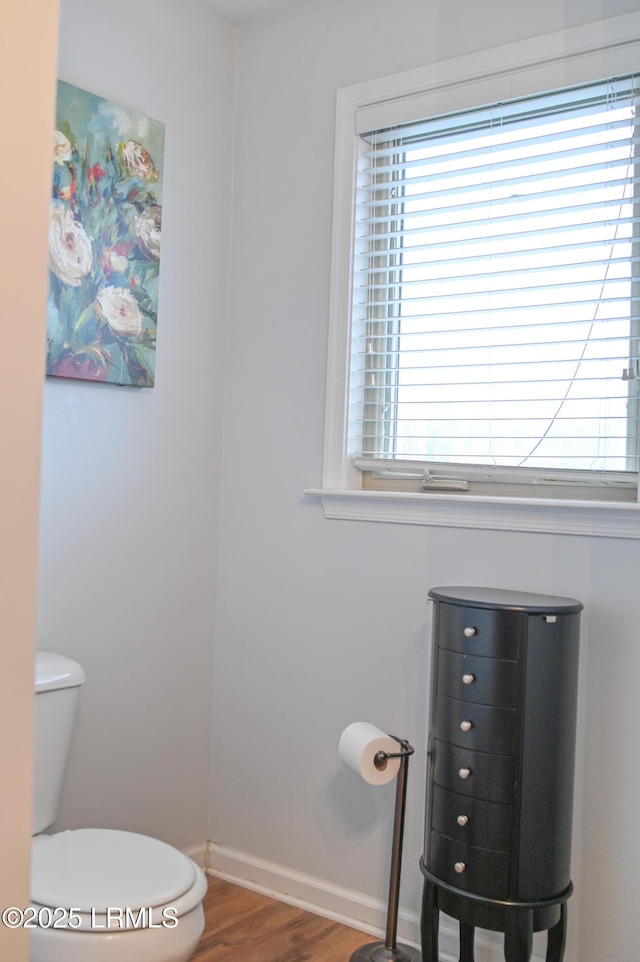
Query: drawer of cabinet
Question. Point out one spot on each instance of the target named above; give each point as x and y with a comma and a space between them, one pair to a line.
473, 773
481, 728
471, 820
477, 870
480, 631
487, 681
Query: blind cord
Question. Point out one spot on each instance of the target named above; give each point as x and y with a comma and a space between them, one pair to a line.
587, 338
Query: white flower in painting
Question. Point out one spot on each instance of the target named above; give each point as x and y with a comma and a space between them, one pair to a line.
61, 148
148, 229
119, 308
114, 261
118, 262
70, 256
138, 160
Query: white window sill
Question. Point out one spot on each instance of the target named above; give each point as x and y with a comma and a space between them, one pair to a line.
550, 516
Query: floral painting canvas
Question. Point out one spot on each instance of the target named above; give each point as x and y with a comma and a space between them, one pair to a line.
104, 241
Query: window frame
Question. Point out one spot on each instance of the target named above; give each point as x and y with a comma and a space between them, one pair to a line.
570, 57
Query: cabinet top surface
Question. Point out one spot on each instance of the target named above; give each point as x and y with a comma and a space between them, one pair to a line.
481, 597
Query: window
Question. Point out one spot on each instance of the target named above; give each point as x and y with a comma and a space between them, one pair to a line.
484, 324
494, 323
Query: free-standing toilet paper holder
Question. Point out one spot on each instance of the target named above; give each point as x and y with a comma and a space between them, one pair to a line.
390, 950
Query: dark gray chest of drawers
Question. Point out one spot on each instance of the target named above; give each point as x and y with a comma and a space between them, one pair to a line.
501, 760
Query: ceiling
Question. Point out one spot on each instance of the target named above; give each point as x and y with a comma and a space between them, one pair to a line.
242, 11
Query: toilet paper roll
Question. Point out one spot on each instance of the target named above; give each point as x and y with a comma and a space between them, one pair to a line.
359, 744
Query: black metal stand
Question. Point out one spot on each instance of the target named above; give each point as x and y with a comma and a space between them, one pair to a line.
390, 950
518, 921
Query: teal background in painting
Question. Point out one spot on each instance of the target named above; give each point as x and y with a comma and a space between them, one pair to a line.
100, 123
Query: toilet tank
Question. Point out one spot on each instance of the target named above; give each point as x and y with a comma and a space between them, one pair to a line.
57, 685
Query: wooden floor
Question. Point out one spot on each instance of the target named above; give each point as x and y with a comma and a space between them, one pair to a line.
248, 927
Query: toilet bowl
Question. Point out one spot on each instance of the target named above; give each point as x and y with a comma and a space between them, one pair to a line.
100, 895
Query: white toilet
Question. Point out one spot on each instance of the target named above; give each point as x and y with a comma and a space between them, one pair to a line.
100, 895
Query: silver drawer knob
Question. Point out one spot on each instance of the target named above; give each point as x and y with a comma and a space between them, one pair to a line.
459, 867
470, 632
464, 772
462, 819
468, 679
466, 726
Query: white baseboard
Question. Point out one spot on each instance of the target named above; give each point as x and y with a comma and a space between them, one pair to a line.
338, 904
199, 854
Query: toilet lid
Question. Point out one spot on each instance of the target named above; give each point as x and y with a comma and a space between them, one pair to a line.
96, 868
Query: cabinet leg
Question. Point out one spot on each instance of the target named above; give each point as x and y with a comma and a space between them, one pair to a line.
430, 923
557, 937
518, 936
467, 933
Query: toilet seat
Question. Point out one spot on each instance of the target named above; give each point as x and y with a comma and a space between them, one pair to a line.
95, 871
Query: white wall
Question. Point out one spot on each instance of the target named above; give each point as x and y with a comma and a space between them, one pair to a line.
130, 480
320, 623
27, 92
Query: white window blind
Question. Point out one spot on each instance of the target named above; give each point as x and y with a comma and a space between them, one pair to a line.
495, 324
